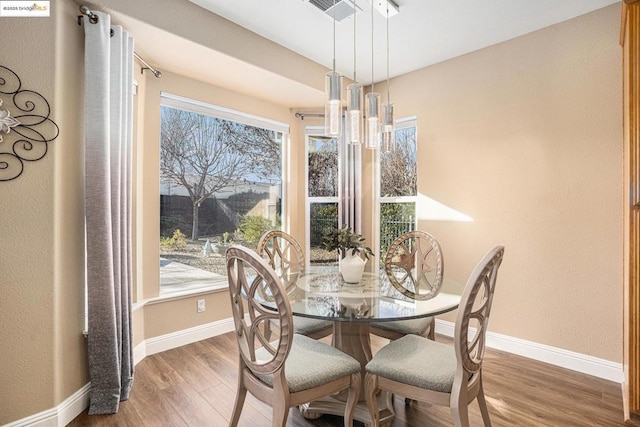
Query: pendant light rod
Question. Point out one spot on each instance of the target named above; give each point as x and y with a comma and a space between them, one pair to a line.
372, 102
372, 79
333, 12
355, 99
355, 13
388, 91
333, 91
387, 131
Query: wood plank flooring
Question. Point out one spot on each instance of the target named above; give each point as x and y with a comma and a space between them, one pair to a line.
195, 386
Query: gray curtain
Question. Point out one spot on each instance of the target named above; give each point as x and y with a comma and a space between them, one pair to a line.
108, 130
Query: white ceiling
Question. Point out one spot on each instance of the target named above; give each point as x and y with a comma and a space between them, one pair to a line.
425, 32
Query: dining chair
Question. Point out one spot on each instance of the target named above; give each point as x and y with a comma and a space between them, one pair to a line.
437, 373
292, 370
414, 265
286, 257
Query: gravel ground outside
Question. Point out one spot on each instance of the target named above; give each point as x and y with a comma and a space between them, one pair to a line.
193, 255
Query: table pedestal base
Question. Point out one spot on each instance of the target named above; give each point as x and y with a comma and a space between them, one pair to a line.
330, 405
353, 339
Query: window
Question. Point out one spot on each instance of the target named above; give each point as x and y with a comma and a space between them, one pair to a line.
398, 185
220, 183
322, 194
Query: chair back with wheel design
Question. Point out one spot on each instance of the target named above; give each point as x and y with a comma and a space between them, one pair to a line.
284, 254
434, 372
250, 275
293, 369
473, 313
414, 265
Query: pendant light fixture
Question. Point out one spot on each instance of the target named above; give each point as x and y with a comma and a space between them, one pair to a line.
372, 105
355, 100
333, 92
387, 108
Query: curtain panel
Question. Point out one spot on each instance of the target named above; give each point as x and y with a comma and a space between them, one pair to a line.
108, 136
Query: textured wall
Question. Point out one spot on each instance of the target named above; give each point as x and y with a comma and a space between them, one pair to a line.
525, 137
41, 310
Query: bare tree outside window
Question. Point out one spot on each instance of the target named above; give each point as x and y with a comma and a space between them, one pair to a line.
204, 155
398, 187
220, 185
323, 167
322, 195
398, 168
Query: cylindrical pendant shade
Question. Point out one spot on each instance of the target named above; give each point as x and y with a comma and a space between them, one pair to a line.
333, 104
372, 116
387, 127
355, 102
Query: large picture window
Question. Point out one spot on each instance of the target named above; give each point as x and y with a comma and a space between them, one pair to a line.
220, 183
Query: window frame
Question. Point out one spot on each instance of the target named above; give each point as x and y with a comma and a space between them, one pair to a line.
399, 124
311, 131
199, 107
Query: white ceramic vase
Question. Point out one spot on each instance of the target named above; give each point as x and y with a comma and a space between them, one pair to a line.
352, 267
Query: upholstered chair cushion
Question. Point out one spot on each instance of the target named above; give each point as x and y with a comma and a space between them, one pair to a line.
312, 363
416, 361
308, 326
412, 326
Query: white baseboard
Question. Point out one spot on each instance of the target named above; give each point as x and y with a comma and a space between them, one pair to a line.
179, 338
73, 406
589, 365
59, 416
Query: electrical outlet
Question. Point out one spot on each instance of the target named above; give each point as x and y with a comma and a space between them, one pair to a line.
201, 306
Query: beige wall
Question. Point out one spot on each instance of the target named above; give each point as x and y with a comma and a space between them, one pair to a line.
42, 351
526, 138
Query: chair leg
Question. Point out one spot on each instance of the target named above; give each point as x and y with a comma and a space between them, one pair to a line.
459, 405
280, 414
432, 329
239, 403
370, 391
483, 405
281, 400
352, 400
460, 416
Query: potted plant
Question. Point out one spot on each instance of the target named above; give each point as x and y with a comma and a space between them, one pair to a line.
351, 249
221, 247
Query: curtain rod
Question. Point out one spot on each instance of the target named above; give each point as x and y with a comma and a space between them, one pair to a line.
93, 18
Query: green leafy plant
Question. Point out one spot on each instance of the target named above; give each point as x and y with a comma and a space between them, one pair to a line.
252, 227
176, 242
343, 239
225, 238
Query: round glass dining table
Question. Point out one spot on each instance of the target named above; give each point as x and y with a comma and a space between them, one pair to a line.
321, 293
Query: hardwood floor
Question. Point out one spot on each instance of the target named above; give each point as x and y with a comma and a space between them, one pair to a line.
195, 385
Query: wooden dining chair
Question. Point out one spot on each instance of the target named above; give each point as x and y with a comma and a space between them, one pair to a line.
415, 267
433, 372
285, 255
294, 369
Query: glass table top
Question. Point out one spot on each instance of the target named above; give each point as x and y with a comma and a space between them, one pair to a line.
321, 293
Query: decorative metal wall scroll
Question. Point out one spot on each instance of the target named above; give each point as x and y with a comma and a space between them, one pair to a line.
25, 127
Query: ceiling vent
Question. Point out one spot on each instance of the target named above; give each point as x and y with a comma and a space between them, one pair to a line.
343, 8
